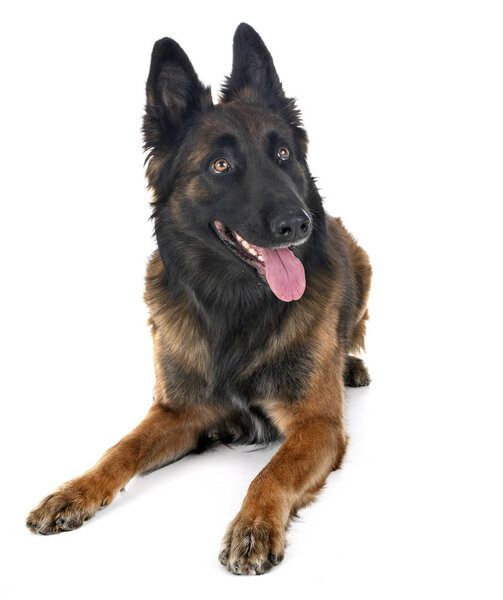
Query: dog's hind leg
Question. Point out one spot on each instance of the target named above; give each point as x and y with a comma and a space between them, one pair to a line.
355, 372
163, 436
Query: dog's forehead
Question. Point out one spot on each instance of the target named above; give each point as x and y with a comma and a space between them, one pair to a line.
243, 120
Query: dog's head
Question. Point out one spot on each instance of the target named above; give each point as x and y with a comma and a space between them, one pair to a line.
234, 203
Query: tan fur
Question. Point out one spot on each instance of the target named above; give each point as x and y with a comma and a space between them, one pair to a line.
174, 330
234, 362
315, 440
315, 437
163, 436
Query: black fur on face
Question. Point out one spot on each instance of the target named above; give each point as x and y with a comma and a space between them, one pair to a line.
226, 166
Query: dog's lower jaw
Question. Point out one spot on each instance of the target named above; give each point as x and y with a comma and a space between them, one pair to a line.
278, 265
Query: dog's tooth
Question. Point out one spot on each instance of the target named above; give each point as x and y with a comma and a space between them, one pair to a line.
252, 251
245, 244
238, 237
260, 258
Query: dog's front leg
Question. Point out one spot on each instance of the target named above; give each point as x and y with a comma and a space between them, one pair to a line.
315, 445
163, 436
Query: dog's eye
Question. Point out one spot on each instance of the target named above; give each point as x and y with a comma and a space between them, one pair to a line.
283, 153
220, 165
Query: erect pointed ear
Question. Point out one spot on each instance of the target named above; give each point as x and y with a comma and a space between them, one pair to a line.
174, 93
253, 70
252, 67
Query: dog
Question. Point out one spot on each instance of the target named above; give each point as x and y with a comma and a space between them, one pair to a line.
257, 300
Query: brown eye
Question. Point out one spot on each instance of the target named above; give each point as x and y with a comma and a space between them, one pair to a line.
221, 165
283, 153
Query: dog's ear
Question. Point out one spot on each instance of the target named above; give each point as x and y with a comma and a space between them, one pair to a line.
254, 77
253, 68
174, 94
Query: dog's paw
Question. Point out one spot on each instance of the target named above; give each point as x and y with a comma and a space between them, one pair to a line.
355, 373
68, 507
252, 546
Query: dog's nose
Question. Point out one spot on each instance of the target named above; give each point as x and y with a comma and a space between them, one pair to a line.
291, 227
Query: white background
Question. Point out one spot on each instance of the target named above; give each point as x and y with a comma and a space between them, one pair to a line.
403, 102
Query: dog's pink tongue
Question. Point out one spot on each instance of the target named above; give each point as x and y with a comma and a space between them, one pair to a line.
284, 273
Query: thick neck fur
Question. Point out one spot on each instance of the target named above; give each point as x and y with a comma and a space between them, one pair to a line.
236, 310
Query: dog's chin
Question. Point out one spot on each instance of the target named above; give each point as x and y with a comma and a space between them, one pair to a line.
282, 270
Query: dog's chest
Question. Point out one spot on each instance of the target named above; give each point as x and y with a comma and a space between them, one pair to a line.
232, 361
236, 378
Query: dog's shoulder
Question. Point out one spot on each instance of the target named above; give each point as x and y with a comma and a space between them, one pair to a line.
181, 350
156, 294
342, 244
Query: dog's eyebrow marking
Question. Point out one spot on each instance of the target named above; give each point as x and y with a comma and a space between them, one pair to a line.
226, 139
274, 139
221, 142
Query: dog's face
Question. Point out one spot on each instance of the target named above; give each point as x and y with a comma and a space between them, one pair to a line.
231, 183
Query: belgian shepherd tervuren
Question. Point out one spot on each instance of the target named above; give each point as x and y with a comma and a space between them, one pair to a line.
257, 300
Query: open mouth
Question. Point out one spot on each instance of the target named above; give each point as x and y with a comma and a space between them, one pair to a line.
246, 251
282, 270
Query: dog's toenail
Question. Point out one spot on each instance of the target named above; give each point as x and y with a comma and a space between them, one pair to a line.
60, 522
253, 565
